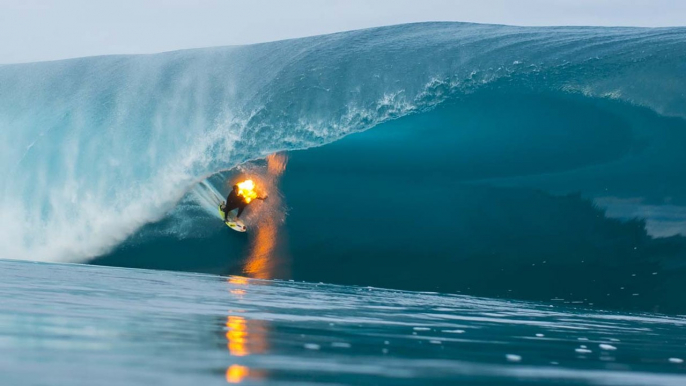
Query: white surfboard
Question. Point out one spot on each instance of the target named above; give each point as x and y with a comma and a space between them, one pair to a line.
233, 223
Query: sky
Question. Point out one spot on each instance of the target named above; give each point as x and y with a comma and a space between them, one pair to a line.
39, 30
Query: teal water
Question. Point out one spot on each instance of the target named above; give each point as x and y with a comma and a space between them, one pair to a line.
136, 134
88, 325
483, 163
502, 194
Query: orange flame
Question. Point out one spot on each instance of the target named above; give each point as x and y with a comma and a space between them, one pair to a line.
247, 190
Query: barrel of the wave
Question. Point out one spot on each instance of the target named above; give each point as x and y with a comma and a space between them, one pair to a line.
241, 196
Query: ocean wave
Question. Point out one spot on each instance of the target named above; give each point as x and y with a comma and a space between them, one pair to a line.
95, 148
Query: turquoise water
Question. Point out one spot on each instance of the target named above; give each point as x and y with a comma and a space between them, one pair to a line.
84, 325
136, 134
497, 161
442, 201
459, 166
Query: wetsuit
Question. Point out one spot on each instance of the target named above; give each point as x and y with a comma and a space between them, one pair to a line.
233, 201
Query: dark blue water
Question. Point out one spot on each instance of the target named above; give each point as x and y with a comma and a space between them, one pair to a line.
85, 325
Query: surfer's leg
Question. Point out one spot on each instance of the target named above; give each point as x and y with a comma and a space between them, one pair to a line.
227, 210
240, 210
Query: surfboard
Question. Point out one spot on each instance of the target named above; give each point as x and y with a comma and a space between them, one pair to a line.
235, 224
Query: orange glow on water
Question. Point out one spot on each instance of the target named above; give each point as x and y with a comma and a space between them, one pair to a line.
237, 335
236, 373
238, 280
244, 336
246, 189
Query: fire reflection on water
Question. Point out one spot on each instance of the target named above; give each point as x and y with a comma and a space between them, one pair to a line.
236, 335
243, 337
236, 373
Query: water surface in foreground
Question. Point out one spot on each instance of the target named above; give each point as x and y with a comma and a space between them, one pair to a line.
85, 325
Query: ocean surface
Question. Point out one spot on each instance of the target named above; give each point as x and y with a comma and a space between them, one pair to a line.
499, 182
66, 324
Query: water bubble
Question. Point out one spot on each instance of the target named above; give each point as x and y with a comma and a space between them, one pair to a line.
513, 358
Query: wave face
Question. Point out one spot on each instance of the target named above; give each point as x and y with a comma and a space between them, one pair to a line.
481, 133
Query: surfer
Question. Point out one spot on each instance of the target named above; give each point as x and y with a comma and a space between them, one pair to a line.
236, 200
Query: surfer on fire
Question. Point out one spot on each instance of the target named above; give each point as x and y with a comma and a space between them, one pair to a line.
241, 195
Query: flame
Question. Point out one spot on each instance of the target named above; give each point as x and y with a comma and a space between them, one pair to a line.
247, 190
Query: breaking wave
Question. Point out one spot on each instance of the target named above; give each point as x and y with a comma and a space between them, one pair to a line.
123, 158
